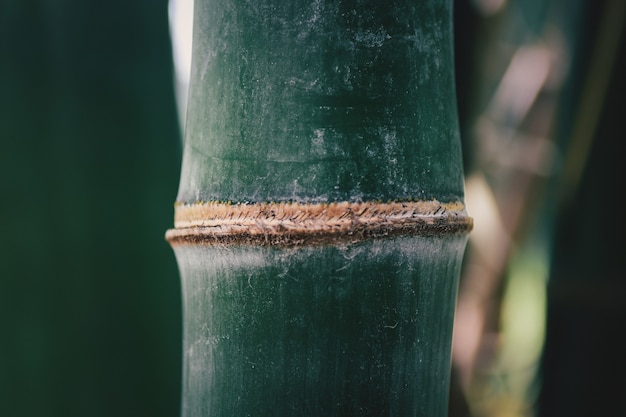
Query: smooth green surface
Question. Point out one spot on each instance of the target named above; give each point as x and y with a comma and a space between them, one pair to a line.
322, 101
355, 330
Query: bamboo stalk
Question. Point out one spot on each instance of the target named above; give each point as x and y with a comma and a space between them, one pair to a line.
320, 222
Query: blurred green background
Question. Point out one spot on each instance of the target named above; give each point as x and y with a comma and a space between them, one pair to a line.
90, 314
89, 164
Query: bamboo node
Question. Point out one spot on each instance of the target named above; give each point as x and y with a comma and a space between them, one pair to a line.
294, 224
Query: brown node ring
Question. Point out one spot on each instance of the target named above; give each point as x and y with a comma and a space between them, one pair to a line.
295, 224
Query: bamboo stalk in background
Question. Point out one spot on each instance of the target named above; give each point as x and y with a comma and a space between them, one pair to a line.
320, 222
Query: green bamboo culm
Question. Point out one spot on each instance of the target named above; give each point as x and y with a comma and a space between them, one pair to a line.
322, 101
320, 223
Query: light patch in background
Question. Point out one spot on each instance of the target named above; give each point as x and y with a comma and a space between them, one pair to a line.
522, 82
181, 31
523, 315
489, 237
489, 7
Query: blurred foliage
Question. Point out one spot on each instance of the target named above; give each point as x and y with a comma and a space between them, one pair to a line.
89, 292
540, 87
